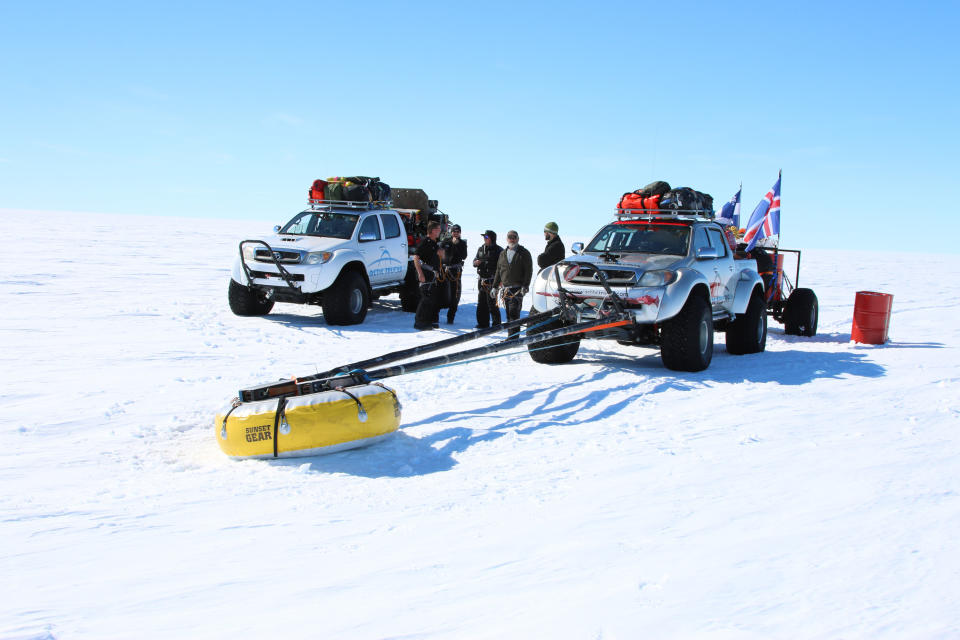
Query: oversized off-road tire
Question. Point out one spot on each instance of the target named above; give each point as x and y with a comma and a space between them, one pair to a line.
410, 293
801, 314
748, 332
686, 340
246, 301
347, 300
555, 350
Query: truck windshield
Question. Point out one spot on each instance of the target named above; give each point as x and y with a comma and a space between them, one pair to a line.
661, 238
322, 223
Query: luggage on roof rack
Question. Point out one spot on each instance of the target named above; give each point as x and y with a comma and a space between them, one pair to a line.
317, 191
351, 189
647, 197
656, 188
633, 200
687, 199
657, 199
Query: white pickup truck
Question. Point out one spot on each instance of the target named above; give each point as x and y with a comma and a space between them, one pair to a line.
340, 255
674, 273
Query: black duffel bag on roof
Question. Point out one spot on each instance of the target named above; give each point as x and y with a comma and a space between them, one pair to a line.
685, 199
657, 188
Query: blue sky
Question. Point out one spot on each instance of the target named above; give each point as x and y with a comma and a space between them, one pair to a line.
511, 114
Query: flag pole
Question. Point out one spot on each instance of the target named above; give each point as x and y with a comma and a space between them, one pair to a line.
780, 230
740, 191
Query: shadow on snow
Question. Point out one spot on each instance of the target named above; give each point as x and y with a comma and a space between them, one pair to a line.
383, 314
559, 405
405, 455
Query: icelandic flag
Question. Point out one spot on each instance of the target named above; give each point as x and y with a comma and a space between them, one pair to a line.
765, 219
730, 213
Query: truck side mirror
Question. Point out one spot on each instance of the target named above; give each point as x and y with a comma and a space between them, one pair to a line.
577, 248
276, 229
707, 253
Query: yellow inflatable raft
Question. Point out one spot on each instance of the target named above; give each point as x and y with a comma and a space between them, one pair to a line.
308, 425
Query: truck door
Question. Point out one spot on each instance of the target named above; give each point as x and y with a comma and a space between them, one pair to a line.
370, 245
395, 241
721, 296
378, 252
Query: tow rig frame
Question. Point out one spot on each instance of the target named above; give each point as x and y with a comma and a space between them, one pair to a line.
780, 286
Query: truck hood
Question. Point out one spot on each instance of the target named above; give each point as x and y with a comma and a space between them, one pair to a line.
304, 243
632, 261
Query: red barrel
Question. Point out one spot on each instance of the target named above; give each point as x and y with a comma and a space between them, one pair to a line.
871, 317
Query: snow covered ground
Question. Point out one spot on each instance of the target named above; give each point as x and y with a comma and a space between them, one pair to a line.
811, 491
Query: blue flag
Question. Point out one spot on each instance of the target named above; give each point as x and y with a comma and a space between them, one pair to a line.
730, 213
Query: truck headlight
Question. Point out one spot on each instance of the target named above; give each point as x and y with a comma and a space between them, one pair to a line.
319, 257
248, 251
657, 278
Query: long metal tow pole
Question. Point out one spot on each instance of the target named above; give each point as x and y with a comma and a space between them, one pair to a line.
299, 386
355, 377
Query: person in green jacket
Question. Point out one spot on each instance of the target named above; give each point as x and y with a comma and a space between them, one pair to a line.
512, 278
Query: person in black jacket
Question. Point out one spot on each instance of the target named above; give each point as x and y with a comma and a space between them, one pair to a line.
486, 264
554, 251
512, 278
427, 261
454, 254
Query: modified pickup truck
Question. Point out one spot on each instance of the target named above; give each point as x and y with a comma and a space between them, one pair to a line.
674, 272
337, 254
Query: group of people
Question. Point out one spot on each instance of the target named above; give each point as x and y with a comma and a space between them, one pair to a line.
504, 275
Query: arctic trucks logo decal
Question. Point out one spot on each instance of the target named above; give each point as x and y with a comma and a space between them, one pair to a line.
718, 292
385, 265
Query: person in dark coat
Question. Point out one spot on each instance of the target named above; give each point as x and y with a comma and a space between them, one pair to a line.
486, 265
427, 260
454, 254
554, 251
512, 278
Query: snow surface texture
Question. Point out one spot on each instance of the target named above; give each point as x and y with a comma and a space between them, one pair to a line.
808, 491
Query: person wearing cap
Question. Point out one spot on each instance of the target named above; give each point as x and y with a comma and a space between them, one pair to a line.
554, 251
454, 255
486, 264
511, 281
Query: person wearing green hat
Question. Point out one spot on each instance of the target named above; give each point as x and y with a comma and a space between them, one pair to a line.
553, 253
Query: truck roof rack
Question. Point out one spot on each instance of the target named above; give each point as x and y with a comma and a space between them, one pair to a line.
329, 205
665, 214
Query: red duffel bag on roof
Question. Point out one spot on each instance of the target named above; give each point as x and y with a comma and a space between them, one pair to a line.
637, 202
631, 201
316, 190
